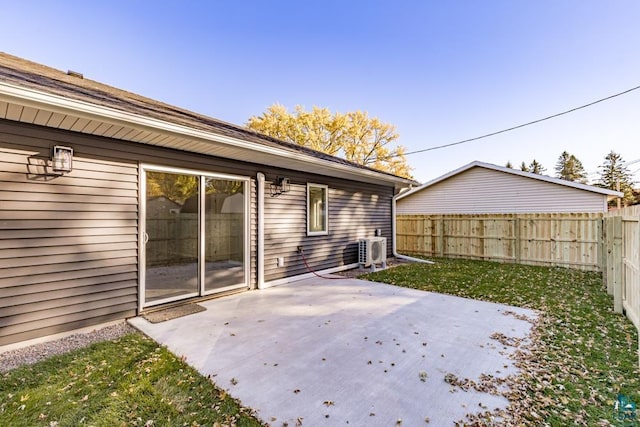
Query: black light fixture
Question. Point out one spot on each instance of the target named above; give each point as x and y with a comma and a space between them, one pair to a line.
281, 185
62, 159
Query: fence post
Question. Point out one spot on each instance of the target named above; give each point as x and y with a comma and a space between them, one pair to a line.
601, 249
608, 247
518, 244
617, 264
427, 232
441, 237
426, 241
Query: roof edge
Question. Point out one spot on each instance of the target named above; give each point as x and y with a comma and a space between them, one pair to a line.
39, 99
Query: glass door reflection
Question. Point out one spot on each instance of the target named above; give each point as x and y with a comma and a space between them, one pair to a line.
172, 232
224, 234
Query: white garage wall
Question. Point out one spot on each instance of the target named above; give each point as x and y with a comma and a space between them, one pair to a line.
483, 190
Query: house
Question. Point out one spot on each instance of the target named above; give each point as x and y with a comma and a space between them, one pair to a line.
113, 204
483, 188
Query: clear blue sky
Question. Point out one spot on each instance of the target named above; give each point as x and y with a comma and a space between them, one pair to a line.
440, 71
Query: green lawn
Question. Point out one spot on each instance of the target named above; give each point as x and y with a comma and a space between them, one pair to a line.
583, 353
128, 382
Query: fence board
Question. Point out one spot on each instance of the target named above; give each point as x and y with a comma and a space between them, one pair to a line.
623, 275
622, 227
631, 268
176, 237
568, 240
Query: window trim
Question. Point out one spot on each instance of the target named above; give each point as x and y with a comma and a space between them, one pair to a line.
325, 230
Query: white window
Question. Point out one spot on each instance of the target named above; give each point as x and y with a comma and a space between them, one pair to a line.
317, 210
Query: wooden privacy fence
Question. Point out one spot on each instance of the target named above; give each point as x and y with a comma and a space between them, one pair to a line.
175, 239
621, 265
607, 243
569, 240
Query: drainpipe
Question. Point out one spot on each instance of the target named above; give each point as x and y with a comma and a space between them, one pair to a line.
393, 237
260, 231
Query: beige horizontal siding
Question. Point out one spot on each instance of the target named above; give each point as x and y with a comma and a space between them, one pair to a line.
480, 190
57, 255
68, 244
20, 224
70, 232
51, 273
26, 188
126, 248
95, 201
101, 280
27, 242
53, 299
64, 323
355, 211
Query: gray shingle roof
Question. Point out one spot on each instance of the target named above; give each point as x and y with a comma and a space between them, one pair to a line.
24, 73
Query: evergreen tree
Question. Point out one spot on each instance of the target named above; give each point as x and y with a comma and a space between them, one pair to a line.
524, 167
509, 165
570, 168
536, 167
614, 175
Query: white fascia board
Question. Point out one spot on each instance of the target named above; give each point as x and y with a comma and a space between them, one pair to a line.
40, 100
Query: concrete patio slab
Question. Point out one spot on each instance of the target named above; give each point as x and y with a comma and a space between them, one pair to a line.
348, 352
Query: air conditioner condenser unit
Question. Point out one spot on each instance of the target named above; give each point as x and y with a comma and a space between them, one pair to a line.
372, 251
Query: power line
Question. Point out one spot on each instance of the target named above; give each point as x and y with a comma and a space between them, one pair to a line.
464, 141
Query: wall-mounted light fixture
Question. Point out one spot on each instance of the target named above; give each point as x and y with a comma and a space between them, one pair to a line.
62, 159
281, 185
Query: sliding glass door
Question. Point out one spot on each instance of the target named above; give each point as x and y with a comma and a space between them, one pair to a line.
171, 236
194, 235
224, 233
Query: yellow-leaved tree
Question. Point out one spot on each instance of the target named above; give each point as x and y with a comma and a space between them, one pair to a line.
353, 136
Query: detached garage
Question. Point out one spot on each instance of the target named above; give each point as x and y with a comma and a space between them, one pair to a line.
482, 188
489, 212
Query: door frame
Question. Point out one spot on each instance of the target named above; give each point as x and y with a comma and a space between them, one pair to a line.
142, 237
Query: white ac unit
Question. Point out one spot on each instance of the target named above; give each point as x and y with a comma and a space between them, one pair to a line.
372, 251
